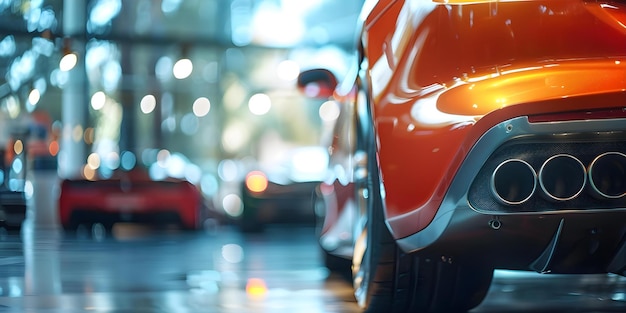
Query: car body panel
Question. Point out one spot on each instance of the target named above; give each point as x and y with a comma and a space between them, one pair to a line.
340, 210
337, 191
441, 75
449, 91
489, 135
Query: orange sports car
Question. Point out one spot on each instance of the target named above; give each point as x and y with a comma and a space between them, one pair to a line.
481, 135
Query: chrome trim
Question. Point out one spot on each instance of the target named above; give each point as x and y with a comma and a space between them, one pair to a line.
619, 170
564, 180
513, 182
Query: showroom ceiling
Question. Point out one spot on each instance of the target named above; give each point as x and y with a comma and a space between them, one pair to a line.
274, 23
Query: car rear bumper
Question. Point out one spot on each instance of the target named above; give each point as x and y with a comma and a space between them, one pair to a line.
579, 235
110, 201
567, 242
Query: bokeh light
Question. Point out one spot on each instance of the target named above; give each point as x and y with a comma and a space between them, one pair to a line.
232, 204
77, 133
128, 160
256, 288
17, 166
256, 181
98, 100
232, 253
228, 170
88, 172
182, 68
259, 104
147, 104
201, 106
329, 111
18, 147
34, 96
93, 161
68, 62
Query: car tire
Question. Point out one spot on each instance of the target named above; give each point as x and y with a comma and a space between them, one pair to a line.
88, 230
388, 280
373, 262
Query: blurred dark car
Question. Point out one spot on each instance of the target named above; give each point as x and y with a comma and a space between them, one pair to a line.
485, 135
12, 209
13, 165
283, 196
267, 202
131, 196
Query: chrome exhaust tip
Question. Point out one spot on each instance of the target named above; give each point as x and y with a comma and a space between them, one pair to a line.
562, 177
607, 175
513, 182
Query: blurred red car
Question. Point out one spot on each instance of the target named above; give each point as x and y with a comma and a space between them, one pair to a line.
131, 197
485, 135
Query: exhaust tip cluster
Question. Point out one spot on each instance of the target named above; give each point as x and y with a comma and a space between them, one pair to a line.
562, 177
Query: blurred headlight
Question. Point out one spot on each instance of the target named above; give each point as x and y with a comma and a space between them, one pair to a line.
256, 181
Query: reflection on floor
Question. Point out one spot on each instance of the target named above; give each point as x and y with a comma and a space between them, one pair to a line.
139, 269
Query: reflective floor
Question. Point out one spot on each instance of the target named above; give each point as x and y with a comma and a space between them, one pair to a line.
221, 270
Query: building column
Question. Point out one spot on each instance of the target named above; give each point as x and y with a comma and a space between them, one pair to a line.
73, 154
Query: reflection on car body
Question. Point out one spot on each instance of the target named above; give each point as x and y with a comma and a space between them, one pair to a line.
489, 135
131, 196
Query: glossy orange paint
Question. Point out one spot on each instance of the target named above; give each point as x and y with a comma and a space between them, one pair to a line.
443, 74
